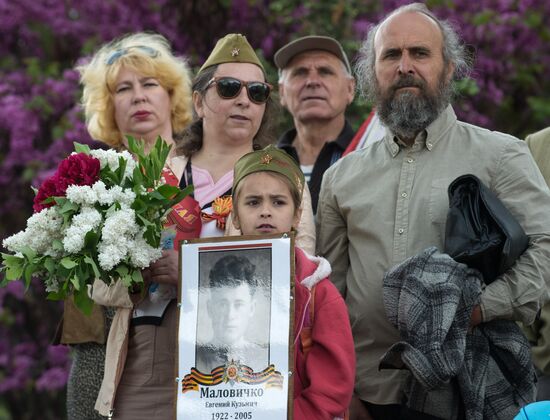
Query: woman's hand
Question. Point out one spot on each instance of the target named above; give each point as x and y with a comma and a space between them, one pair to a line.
165, 270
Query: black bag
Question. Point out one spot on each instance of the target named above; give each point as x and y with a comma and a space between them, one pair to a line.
480, 231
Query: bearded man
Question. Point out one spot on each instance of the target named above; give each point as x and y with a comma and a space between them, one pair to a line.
388, 202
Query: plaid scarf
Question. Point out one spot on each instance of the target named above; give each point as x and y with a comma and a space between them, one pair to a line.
486, 373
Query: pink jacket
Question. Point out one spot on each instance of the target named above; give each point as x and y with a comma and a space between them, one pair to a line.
324, 378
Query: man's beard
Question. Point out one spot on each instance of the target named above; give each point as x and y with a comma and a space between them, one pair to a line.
407, 113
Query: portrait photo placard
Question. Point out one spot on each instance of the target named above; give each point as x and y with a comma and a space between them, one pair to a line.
234, 336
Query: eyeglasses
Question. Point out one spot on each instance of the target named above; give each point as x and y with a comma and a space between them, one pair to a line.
151, 52
229, 87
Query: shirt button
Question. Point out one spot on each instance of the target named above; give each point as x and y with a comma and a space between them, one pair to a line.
410, 160
401, 231
429, 145
404, 195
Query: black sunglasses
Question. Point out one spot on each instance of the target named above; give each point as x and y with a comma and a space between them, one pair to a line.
229, 87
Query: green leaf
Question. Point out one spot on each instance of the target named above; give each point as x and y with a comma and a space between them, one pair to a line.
88, 260
109, 177
121, 168
136, 147
60, 295
14, 272
126, 280
168, 191
27, 274
68, 263
81, 148
139, 205
83, 274
75, 281
138, 179
152, 237
57, 245
155, 195
58, 200
91, 240
83, 301
68, 207
124, 275
9, 259
143, 221
50, 265
28, 253
122, 270
137, 277
150, 165
181, 195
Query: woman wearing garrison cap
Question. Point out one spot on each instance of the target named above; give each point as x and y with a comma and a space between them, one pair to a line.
233, 115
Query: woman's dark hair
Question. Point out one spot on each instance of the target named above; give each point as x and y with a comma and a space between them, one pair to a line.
190, 140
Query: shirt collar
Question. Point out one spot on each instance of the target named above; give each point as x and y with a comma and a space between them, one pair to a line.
342, 140
429, 137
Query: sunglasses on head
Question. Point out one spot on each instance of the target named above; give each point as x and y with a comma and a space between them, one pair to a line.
229, 88
151, 52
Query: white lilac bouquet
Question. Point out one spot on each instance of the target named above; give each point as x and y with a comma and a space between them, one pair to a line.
99, 216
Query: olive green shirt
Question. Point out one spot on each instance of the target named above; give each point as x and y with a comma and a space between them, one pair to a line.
385, 203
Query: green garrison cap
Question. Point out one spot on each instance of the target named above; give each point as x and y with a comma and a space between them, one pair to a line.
269, 159
232, 48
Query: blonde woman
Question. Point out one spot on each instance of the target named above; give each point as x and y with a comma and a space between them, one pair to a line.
133, 85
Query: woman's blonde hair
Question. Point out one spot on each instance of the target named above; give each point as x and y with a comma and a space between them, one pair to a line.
148, 54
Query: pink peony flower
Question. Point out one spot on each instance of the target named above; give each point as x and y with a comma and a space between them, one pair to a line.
51, 187
79, 169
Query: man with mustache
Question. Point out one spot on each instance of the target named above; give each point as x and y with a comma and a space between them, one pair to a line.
388, 202
316, 86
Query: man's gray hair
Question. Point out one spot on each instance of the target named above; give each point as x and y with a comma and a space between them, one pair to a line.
454, 51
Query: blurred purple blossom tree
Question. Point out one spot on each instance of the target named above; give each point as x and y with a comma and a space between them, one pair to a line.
40, 118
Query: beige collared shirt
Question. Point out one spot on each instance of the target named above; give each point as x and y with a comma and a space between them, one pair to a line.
385, 203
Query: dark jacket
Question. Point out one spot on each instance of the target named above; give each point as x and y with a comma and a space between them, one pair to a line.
329, 154
486, 373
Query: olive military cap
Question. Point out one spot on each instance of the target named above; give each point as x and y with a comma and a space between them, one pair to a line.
269, 159
232, 48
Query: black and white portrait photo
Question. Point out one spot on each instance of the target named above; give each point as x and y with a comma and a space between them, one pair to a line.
233, 315
235, 341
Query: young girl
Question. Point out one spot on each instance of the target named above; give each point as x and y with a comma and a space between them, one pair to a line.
267, 191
